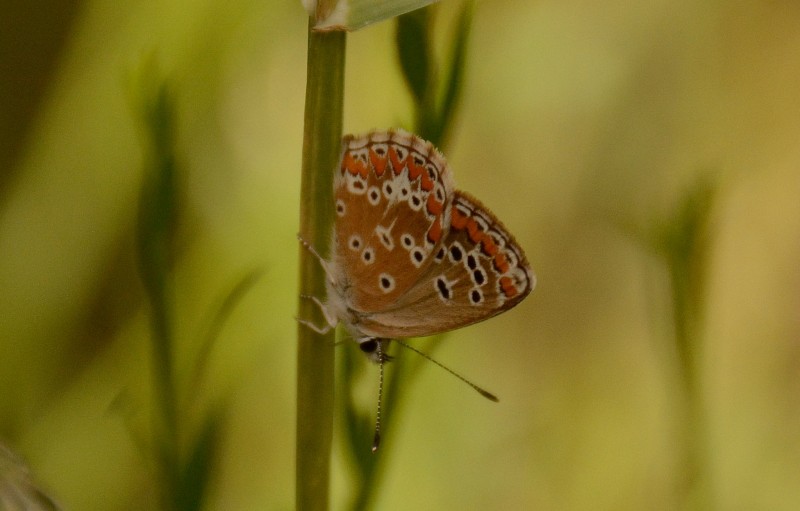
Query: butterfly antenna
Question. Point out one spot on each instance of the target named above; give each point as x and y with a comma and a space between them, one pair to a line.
376, 441
485, 393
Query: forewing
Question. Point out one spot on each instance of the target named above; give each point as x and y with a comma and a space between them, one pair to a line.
478, 271
390, 191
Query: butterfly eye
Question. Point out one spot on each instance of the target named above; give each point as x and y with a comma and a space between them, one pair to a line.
369, 346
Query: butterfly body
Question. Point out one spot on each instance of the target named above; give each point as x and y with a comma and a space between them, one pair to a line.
412, 256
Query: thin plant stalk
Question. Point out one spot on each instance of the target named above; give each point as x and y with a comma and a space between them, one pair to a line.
157, 216
315, 356
684, 242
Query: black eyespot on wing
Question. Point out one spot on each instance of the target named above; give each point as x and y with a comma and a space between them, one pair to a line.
475, 296
387, 282
472, 263
479, 277
455, 253
441, 285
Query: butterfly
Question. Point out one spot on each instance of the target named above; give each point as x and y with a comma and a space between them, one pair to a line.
411, 255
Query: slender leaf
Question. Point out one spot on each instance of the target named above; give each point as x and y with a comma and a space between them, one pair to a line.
199, 467
355, 14
218, 318
454, 79
157, 219
412, 37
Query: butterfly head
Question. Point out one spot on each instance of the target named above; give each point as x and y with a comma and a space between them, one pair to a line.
374, 348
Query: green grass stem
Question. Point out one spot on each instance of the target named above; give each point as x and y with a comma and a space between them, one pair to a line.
315, 356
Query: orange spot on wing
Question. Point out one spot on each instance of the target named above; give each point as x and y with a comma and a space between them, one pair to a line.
509, 289
414, 170
378, 162
458, 219
394, 158
434, 207
475, 233
426, 183
500, 263
354, 166
349, 164
435, 231
488, 246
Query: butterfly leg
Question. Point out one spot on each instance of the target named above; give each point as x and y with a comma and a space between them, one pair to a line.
322, 330
330, 320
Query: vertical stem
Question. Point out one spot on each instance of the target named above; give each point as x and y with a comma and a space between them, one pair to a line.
693, 478
157, 216
315, 357
167, 434
687, 244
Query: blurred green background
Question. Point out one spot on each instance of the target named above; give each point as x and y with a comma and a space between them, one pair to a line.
592, 129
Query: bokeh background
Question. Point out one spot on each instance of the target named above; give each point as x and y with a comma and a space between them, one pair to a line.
586, 126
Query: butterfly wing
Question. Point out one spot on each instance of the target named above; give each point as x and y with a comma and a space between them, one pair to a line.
478, 271
390, 192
